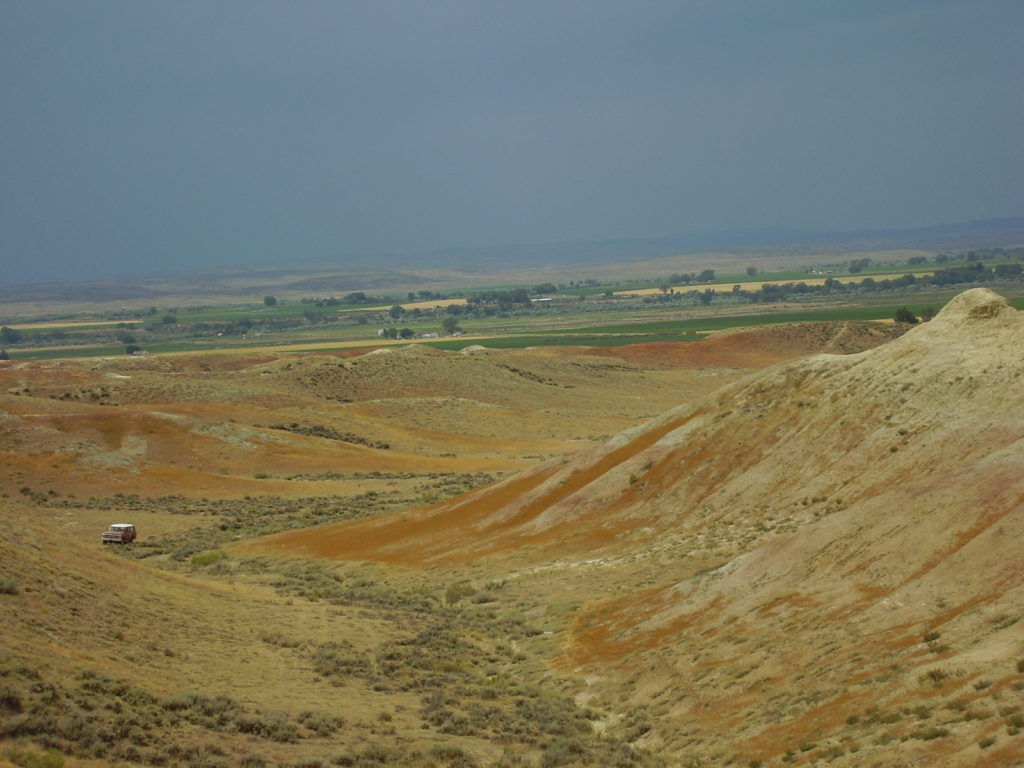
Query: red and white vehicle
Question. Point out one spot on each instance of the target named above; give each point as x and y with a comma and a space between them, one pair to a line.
119, 533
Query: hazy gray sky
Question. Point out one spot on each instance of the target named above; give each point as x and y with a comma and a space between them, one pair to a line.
146, 135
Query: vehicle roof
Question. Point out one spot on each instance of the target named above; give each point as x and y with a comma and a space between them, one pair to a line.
122, 525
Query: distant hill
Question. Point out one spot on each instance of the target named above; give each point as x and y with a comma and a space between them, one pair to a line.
420, 269
942, 237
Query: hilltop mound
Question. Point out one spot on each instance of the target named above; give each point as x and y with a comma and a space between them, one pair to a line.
872, 502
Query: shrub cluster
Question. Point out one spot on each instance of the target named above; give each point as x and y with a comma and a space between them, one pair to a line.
103, 718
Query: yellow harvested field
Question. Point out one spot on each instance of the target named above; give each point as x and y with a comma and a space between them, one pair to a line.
432, 303
429, 304
755, 285
314, 346
67, 324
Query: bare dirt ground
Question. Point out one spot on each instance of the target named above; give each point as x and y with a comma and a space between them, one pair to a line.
779, 546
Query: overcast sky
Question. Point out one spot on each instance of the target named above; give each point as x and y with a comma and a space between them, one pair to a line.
146, 135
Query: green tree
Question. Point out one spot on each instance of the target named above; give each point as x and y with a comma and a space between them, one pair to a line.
751, 271
10, 335
396, 311
904, 315
450, 325
269, 301
858, 265
407, 333
707, 276
4, 354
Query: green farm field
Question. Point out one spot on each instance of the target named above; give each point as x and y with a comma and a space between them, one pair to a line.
577, 330
602, 312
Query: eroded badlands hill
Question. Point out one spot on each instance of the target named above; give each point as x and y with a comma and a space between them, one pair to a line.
821, 562
210, 426
207, 426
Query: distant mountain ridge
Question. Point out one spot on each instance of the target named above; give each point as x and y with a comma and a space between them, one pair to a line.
952, 236
375, 271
